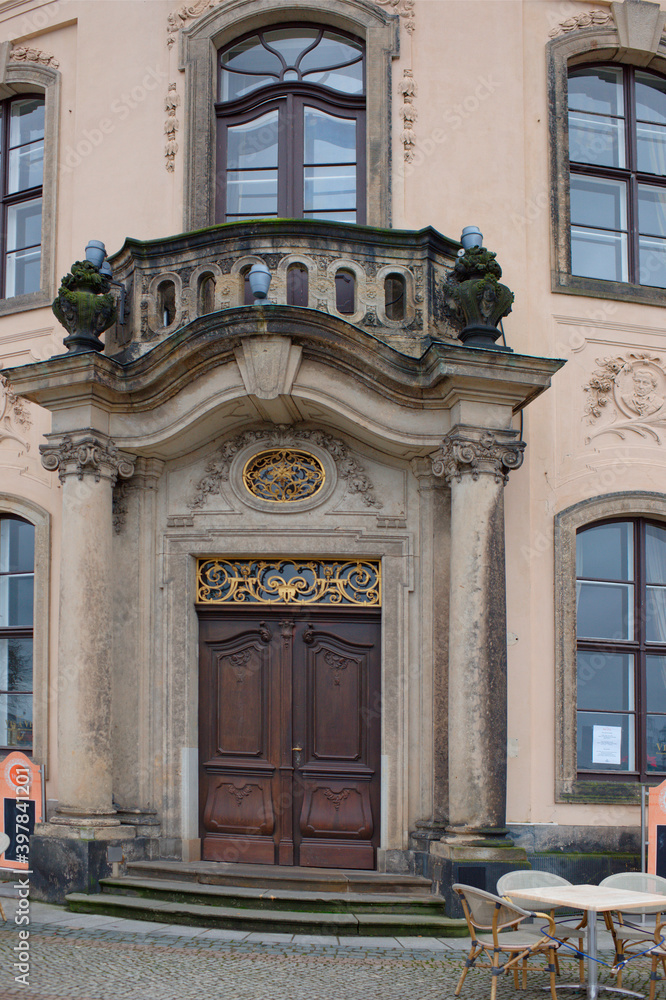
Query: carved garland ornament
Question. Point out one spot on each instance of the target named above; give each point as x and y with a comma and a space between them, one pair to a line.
24, 53
171, 126
586, 19
407, 89
486, 455
86, 454
217, 469
13, 415
632, 390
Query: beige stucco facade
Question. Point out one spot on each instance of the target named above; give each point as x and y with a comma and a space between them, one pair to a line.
461, 131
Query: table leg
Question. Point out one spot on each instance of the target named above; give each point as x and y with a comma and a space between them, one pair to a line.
592, 989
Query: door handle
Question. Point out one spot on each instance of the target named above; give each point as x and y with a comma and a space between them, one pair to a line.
296, 748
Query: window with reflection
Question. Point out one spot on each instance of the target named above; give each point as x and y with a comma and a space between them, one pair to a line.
617, 154
17, 557
21, 177
621, 648
291, 126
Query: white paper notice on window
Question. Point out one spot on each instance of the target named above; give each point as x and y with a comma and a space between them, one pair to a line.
606, 744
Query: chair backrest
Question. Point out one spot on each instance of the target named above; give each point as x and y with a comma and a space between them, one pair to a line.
638, 882
528, 878
482, 907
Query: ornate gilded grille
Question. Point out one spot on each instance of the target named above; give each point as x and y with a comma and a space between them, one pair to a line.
289, 581
283, 475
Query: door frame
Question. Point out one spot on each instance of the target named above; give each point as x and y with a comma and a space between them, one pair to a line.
285, 766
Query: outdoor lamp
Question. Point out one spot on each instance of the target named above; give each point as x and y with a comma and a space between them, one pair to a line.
95, 253
260, 279
471, 237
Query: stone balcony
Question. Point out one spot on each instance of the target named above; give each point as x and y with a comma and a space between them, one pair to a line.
391, 280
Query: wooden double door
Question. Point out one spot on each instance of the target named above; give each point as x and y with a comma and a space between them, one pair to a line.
290, 730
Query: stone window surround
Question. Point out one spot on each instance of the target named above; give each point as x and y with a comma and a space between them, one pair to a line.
568, 787
17, 79
198, 59
20, 507
590, 45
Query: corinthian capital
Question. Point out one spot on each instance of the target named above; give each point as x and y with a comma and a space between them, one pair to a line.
470, 451
85, 453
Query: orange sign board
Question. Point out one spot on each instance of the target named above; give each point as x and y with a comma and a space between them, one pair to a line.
657, 829
20, 808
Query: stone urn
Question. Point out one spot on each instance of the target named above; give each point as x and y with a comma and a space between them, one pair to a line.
475, 298
85, 307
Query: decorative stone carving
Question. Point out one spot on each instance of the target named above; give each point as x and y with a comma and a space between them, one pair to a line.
407, 89
13, 415
405, 8
585, 19
85, 307
25, 53
217, 469
147, 472
632, 390
85, 454
171, 126
474, 296
495, 454
178, 19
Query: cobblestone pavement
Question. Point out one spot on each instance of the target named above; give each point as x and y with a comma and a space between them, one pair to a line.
78, 957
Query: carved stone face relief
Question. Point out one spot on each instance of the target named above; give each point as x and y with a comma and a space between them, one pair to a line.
627, 394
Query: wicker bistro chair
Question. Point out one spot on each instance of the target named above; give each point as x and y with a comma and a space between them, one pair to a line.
531, 879
485, 912
635, 932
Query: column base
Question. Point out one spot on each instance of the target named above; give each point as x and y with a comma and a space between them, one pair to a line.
477, 859
73, 855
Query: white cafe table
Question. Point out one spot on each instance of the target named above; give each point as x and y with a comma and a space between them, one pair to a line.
593, 899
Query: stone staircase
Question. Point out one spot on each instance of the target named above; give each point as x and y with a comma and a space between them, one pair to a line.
273, 899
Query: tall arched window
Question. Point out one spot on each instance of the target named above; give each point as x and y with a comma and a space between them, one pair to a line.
291, 126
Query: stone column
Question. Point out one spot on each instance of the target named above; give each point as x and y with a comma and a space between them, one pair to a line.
88, 465
476, 463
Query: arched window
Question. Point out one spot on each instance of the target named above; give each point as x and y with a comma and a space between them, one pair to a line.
621, 648
291, 126
17, 555
617, 155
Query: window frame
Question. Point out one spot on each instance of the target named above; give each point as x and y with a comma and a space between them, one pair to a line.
25, 510
291, 99
7, 199
570, 784
638, 647
25, 80
20, 632
612, 44
200, 44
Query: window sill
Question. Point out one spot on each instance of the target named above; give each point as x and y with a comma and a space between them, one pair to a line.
572, 284
590, 791
22, 303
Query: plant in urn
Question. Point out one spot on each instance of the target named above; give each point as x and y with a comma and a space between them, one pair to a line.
85, 307
474, 296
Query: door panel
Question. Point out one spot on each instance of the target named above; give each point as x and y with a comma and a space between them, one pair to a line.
290, 738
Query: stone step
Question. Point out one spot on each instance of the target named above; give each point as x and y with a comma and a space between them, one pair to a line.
259, 897
271, 921
282, 877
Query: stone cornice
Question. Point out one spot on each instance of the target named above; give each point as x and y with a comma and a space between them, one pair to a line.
474, 452
86, 453
435, 380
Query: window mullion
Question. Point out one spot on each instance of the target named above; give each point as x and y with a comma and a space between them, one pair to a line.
632, 164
